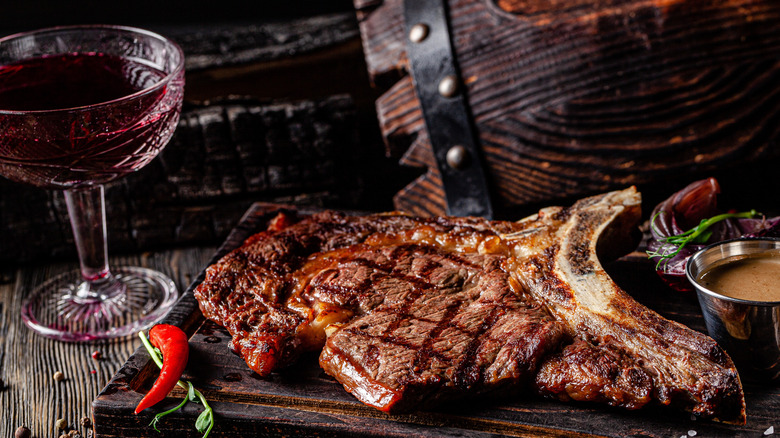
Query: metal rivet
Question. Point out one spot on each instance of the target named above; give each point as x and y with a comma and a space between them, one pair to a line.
458, 157
418, 33
448, 86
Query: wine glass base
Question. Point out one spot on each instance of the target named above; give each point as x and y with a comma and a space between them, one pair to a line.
56, 311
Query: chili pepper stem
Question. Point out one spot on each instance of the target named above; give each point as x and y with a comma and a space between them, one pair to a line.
159, 416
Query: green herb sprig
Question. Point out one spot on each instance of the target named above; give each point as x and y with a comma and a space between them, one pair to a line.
697, 235
205, 421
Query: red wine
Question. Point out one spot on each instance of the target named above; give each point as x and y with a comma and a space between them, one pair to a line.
69, 81
73, 119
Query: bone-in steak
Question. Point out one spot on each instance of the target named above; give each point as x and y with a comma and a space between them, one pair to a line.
410, 311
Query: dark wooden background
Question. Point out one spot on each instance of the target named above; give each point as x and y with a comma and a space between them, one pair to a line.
574, 98
278, 107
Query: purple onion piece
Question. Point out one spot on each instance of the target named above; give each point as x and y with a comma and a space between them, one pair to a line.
685, 210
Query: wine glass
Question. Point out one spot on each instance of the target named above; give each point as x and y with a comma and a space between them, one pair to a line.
81, 106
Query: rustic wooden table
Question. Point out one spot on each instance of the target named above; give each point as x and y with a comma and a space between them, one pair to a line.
29, 395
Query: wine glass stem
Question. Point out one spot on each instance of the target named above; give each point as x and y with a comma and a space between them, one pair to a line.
86, 208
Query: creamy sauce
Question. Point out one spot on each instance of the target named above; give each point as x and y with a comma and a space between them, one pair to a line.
755, 277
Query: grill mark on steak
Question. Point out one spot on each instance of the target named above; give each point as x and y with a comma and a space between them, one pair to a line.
348, 295
469, 373
424, 354
401, 312
411, 311
458, 352
420, 286
389, 338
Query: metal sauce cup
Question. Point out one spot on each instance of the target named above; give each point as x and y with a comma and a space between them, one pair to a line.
748, 330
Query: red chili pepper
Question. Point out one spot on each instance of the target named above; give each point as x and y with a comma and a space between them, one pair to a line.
173, 344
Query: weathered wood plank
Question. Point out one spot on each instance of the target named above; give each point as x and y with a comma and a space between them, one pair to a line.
572, 99
220, 45
423, 196
381, 28
28, 362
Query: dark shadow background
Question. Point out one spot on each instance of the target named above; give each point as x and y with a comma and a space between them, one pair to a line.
31, 14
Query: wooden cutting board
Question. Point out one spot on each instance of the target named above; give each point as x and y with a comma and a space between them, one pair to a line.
304, 401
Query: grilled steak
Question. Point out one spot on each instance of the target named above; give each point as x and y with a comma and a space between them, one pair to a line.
409, 311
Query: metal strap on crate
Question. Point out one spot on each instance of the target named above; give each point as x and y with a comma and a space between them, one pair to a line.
447, 117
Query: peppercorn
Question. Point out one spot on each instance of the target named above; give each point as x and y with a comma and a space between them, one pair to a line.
59, 376
85, 422
61, 424
96, 355
22, 432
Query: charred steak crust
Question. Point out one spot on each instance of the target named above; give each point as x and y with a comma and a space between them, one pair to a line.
455, 328
408, 312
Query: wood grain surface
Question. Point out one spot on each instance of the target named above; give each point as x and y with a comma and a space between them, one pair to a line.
303, 401
573, 98
222, 44
30, 396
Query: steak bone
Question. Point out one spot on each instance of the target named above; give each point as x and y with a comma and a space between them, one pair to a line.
686, 368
